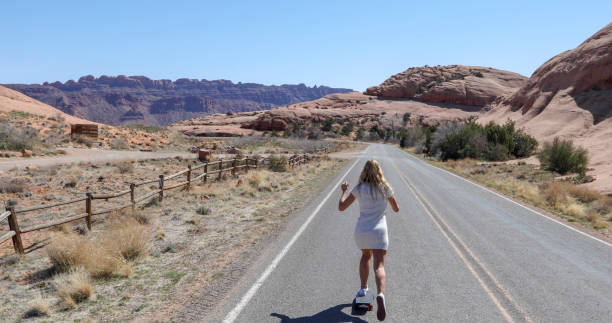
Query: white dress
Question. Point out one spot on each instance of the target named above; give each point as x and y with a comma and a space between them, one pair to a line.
371, 228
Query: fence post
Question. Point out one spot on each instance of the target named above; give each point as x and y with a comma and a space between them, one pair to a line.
132, 197
14, 226
188, 177
246, 164
161, 188
234, 167
220, 169
88, 210
205, 177
256, 162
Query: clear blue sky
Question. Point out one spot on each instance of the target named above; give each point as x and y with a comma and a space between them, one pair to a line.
353, 44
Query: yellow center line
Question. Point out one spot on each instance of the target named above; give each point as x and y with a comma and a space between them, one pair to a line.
439, 222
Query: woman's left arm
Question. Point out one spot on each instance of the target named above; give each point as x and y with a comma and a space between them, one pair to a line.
345, 201
393, 203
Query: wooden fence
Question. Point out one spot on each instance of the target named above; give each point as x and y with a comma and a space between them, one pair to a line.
208, 170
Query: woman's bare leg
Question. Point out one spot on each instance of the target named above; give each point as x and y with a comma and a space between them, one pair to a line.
364, 267
379, 269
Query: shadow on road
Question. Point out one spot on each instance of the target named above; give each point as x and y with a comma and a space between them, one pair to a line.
332, 314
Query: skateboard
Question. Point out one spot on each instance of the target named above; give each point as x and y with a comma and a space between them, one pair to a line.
364, 303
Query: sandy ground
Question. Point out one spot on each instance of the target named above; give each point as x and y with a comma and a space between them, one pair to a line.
84, 155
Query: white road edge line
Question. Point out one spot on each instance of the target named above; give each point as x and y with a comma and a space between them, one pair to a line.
233, 314
517, 203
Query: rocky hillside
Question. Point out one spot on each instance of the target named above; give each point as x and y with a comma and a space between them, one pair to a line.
363, 111
570, 96
467, 85
138, 99
11, 100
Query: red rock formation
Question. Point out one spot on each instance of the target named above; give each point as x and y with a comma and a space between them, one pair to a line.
570, 96
138, 99
458, 84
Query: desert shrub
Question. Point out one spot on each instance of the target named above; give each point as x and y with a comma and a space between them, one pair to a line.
496, 152
406, 118
73, 286
446, 141
83, 140
70, 250
12, 185
314, 134
125, 167
254, 178
360, 134
410, 137
556, 194
202, 210
347, 129
145, 128
17, 139
125, 237
37, 308
278, 163
583, 194
562, 157
524, 144
327, 124
456, 140
119, 144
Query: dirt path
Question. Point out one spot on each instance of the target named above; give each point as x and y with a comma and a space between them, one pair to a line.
80, 155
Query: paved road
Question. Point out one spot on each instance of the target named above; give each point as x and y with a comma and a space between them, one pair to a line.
458, 253
82, 155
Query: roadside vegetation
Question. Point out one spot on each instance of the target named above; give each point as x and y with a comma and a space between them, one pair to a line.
562, 196
134, 264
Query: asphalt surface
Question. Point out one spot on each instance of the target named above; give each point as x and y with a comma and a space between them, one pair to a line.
457, 253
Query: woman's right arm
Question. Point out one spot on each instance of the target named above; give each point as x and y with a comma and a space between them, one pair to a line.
393, 203
345, 201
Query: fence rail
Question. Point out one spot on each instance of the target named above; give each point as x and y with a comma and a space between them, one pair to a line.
245, 163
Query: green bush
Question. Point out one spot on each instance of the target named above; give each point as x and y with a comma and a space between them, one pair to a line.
455, 140
360, 134
327, 124
562, 157
278, 163
347, 129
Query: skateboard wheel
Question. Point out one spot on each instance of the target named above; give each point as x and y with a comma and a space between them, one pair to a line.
370, 308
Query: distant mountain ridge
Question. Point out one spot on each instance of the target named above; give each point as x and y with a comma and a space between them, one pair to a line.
138, 99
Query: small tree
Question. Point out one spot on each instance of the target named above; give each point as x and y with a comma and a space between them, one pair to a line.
360, 133
562, 157
347, 129
406, 118
327, 124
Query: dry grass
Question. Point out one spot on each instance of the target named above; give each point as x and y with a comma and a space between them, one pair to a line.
37, 308
10, 185
73, 287
125, 237
125, 167
574, 202
70, 250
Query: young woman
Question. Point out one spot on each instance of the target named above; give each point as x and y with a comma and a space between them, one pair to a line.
373, 192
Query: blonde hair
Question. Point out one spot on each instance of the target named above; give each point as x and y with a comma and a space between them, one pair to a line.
372, 176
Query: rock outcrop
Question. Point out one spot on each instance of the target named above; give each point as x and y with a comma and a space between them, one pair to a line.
363, 111
570, 96
138, 99
458, 84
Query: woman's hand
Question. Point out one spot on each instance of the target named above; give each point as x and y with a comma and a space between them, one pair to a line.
344, 186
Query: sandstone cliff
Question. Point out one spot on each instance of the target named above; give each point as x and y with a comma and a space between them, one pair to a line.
138, 99
570, 96
467, 85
